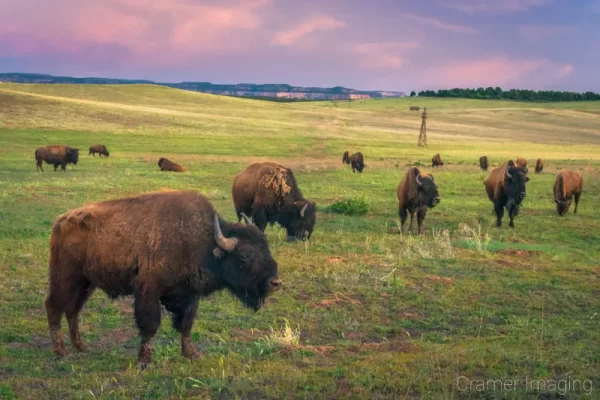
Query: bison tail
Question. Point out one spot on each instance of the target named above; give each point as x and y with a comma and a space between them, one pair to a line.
37, 154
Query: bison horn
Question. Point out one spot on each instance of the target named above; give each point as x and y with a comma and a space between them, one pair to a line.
418, 180
246, 219
303, 209
508, 175
227, 244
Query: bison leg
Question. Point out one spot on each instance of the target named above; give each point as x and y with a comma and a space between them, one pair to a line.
147, 318
183, 312
403, 215
499, 209
412, 217
78, 297
38, 166
63, 166
54, 310
420, 218
259, 217
55, 167
577, 196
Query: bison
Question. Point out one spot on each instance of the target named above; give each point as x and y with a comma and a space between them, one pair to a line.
56, 155
436, 161
505, 187
357, 161
168, 248
168, 165
416, 192
568, 184
100, 149
539, 166
483, 163
267, 192
414, 108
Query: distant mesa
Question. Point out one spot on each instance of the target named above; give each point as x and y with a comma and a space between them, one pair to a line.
280, 92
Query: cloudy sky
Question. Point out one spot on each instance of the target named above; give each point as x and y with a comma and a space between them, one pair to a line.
375, 44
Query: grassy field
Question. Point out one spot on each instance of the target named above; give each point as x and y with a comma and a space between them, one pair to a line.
365, 313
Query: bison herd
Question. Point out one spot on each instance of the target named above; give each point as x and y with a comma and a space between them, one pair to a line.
172, 248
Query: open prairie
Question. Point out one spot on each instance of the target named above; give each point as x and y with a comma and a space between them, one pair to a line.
364, 312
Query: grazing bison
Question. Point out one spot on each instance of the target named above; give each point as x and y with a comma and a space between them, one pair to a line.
505, 188
414, 108
539, 166
100, 149
56, 155
568, 184
267, 192
358, 162
168, 248
436, 161
416, 192
483, 163
168, 165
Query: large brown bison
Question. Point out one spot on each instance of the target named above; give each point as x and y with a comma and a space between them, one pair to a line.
568, 184
416, 192
483, 163
168, 248
505, 187
56, 155
168, 165
267, 192
356, 160
100, 149
436, 161
539, 166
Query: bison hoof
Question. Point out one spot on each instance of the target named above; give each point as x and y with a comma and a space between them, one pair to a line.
190, 353
81, 346
142, 366
61, 352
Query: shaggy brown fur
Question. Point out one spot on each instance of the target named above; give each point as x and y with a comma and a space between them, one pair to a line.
268, 193
483, 163
168, 165
100, 149
56, 155
522, 163
568, 184
505, 187
436, 161
416, 192
166, 248
539, 166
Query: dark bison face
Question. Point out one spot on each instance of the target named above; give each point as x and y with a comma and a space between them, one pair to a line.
514, 186
360, 166
160, 161
346, 158
107, 153
245, 263
562, 206
299, 219
73, 156
427, 191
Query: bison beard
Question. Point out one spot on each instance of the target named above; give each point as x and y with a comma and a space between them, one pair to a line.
56, 155
267, 192
505, 188
568, 184
166, 248
416, 193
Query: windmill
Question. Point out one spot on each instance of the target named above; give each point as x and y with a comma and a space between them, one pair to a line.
423, 134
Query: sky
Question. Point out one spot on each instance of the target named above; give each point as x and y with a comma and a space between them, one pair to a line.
363, 44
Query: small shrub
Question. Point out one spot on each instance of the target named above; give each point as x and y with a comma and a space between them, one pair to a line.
353, 206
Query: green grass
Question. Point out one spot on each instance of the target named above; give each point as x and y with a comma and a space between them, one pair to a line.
365, 312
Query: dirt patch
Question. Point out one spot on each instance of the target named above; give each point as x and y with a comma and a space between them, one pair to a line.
114, 337
440, 279
124, 306
336, 299
247, 335
397, 346
334, 260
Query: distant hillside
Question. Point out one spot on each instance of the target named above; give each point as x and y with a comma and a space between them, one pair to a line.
268, 91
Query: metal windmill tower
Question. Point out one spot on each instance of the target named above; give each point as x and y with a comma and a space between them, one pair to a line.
423, 134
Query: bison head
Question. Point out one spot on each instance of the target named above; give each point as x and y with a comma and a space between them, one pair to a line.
72, 155
427, 192
160, 161
514, 186
245, 263
107, 153
562, 206
299, 219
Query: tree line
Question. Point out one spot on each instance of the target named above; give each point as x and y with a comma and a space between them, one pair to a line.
512, 94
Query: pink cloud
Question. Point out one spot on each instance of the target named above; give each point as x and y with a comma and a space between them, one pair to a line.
318, 23
436, 23
383, 55
161, 31
538, 32
492, 6
494, 71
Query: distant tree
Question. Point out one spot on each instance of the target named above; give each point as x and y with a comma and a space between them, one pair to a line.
413, 93
512, 94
